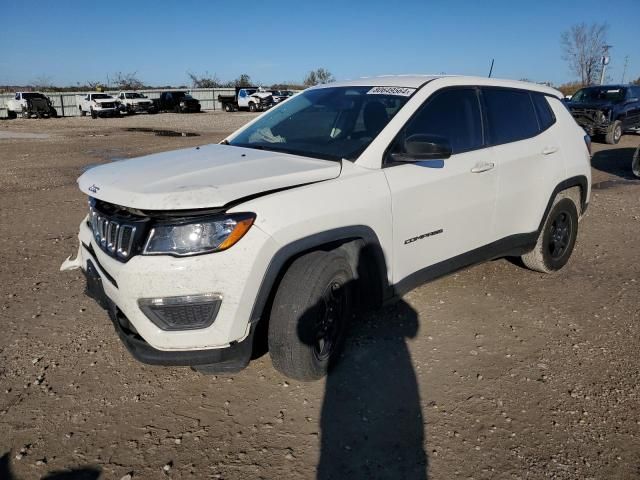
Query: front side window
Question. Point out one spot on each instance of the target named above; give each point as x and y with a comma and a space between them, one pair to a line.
510, 114
452, 114
332, 123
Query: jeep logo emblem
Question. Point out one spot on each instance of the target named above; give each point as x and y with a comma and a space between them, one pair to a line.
93, 188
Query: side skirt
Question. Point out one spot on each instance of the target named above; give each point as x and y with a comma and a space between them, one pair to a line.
510, 246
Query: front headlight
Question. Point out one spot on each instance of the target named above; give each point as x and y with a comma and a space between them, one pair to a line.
182, 104
203, 236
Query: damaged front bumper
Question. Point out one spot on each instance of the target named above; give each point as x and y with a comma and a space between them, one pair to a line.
133, 293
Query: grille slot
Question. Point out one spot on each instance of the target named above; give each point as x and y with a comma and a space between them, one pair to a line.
111, 235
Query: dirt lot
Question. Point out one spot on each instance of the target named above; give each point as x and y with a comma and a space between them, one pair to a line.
495, 372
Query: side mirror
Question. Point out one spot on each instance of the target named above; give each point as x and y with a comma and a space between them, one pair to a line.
419, 147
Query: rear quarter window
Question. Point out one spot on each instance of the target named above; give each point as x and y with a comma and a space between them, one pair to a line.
510, 114
546, 118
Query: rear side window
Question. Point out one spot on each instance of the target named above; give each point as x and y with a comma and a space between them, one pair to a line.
543, 110
510, 115
453, 114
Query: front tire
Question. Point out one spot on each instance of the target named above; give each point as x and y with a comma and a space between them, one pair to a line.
614, 133
311, 308
252, 107
94, 115
556, 239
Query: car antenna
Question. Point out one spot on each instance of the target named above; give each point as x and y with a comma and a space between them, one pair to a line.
491, 68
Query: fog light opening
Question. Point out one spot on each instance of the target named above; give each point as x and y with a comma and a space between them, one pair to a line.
188, 312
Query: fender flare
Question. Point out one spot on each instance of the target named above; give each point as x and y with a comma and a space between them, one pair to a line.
577, 181
364, 236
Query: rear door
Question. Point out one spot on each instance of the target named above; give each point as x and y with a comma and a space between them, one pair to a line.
527, 155
440, 213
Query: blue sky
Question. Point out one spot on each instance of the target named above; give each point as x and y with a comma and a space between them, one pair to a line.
162, 41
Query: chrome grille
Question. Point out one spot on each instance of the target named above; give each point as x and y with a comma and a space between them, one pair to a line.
112, 236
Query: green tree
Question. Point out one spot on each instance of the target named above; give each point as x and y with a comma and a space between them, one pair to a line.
318, 76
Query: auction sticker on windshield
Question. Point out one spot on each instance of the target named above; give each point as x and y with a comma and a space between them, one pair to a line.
399, 91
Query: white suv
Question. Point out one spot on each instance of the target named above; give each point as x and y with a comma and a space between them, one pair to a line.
342, 197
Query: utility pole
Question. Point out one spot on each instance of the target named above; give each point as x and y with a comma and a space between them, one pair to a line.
624, 71
605, 61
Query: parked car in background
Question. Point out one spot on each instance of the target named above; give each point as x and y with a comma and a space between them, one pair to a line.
27, 104
253, 99
607, 110
178, 102
135, 102
97, 105
280, 95
340, 198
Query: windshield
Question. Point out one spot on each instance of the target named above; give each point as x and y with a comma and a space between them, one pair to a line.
32, 95
331, 123
134, 95
600, 94
101, 96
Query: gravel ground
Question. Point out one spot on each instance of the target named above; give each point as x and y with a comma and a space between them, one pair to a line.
494, 372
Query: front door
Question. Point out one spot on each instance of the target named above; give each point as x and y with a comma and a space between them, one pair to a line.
442, 213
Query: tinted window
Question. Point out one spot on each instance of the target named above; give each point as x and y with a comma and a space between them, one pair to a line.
452, 114
635, 93
510, 114
543, 110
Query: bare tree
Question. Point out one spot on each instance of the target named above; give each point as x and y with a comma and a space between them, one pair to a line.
583, 46
127, 81
43, 82
318, 76
204, 81
94, 85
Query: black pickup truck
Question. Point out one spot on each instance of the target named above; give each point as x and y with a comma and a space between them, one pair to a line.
607, 110
178, 102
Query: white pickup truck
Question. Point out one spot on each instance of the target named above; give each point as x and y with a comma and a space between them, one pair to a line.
135, 102
342, 197
97, 105
27, 104
253, 99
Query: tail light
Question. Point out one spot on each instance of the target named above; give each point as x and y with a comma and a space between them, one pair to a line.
587, 140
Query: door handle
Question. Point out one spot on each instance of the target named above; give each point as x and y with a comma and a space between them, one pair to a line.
549, 150
484, 167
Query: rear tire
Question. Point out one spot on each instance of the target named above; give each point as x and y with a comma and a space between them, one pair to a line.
311, 308
556, 239
614, 133
53, 113
11, 114
227, 108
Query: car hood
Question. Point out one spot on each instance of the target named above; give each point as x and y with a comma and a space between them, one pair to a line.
261, 94
202, 177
